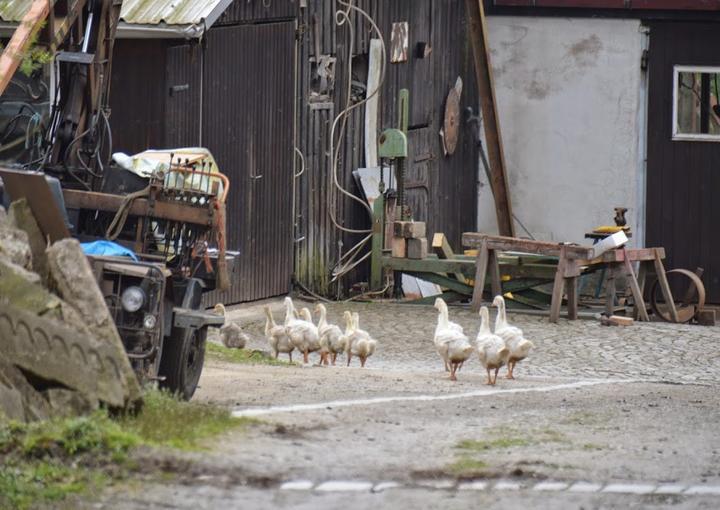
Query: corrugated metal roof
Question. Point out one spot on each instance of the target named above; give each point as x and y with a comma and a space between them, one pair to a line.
136, 12
13, 10
171, 12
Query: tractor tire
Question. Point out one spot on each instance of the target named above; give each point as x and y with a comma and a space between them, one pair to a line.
182, 361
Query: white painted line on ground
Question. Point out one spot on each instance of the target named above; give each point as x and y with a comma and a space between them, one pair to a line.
437, 484
473, 486
551, 486
629, 488
260, 411
297, 485
670, 488
504, 485
585, 487
344, 486
384, 486
703, 489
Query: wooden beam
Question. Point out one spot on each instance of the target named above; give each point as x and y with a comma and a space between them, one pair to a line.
444, 281
480, 273
488, 105
504, 243
140, 207
442, 249
19, 43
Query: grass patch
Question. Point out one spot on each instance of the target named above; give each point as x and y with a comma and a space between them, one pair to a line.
46, 462
492, 444
167, 421
467, 467
242, 356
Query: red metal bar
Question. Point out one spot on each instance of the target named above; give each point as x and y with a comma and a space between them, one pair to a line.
655, 5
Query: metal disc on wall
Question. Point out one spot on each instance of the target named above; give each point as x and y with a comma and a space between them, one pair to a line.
451, 123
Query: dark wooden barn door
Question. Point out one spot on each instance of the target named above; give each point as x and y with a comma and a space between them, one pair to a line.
247, 123
683, 176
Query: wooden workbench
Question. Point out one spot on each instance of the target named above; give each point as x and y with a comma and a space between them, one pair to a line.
572, 259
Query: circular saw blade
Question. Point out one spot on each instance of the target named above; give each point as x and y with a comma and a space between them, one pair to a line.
451, 124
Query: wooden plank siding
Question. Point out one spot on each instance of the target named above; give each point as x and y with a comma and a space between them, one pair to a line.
446, 193
682, 176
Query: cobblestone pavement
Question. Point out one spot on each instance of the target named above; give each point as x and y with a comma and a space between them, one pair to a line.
600, 417
582, 348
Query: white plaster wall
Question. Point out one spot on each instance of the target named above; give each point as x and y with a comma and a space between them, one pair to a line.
572, 112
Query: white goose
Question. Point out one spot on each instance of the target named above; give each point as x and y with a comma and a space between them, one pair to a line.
491, 348
303, 334
277, 336
332, 340
231, 334
451, 343
359, 342
452, 325
516, 343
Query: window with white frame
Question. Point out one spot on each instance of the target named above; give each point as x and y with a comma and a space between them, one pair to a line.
696, 103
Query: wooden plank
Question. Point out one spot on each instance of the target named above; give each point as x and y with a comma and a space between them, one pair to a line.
632, 254
477, 31
371, 106
503, 243
572, 297
641, 278
665, 287
442, 249
429, 265
75, 199
610, 289
20, 41
636, 292
444, 281
480, 272
558, 286
495, 282
378, 238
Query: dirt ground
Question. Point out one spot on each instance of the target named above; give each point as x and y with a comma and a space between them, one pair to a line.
598, 418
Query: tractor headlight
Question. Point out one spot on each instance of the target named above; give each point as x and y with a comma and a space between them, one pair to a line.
149, 322
133, 298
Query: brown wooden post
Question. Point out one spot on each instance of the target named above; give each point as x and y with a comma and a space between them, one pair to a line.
635, 288
558, 286
572, 297
480, 272
610, 289
21, 38
488, 105
665, 286
494, 266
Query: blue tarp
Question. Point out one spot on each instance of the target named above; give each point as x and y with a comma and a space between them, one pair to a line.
107, 248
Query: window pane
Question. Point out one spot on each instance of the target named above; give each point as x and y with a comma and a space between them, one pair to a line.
697, 108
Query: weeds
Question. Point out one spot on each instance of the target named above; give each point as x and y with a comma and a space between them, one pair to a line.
242, 356
45, 462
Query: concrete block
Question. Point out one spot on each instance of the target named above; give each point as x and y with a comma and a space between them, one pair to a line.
65, 403
21, 217
409, 229
399, 228
706, 317
15, 246
18, 399
22, 288
71, 275
417, 248
399, 247
50, 350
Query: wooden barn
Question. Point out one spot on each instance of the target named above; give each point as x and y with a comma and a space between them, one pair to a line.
261, 83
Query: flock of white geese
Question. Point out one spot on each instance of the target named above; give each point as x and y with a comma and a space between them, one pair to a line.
506, 346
